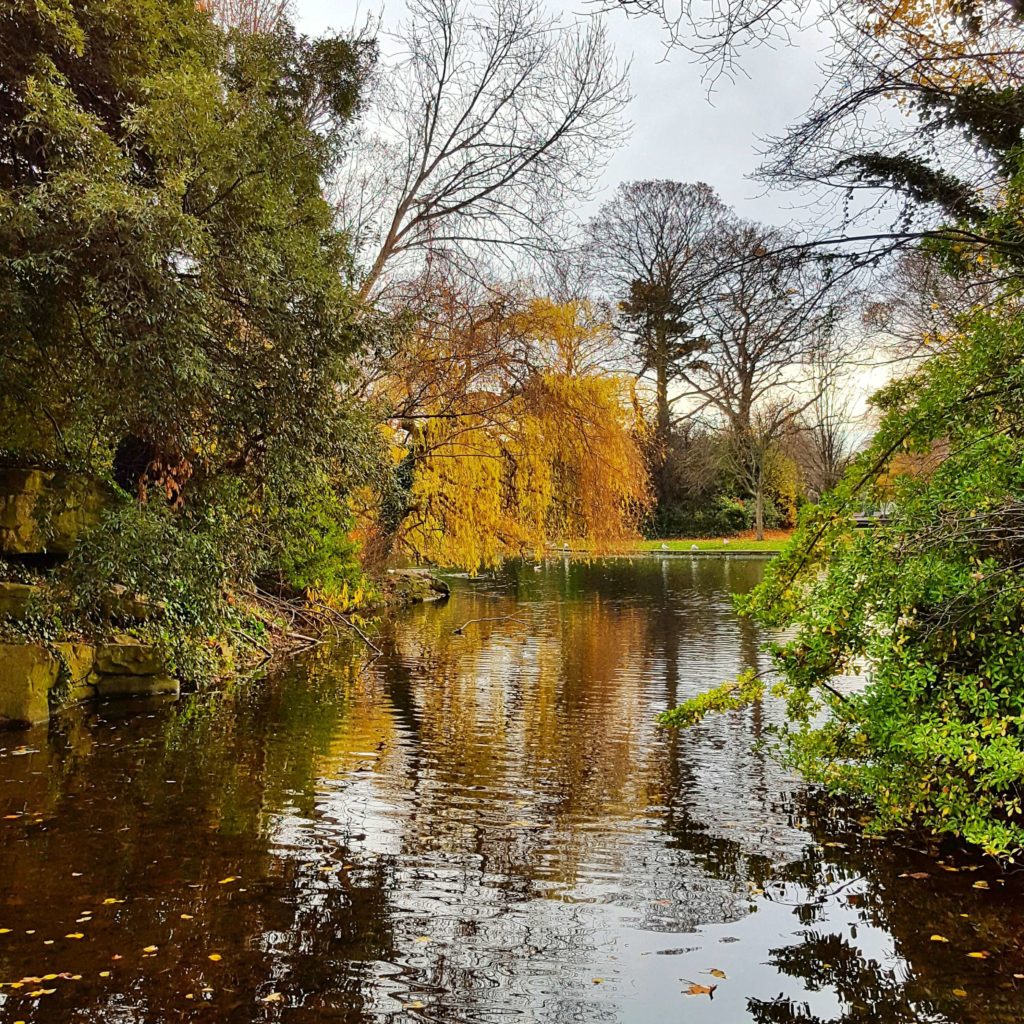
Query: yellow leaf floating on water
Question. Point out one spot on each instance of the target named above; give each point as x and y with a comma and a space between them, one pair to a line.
980, 884
699, 990
186, 917
979, 955
939, 938
104, 974
150, 949
274, 997
109, 901
4, 931
960, 993
74, 935
422, 938
225, 881
214, 957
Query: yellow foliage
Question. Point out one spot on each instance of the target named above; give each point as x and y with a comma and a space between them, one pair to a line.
553, 456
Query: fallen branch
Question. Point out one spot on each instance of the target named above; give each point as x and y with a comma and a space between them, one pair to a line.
459, 630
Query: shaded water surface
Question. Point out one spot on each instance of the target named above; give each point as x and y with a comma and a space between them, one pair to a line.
480, 826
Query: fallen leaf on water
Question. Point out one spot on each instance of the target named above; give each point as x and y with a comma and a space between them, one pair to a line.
230, 878
74, 935
980, 955
104, 974
4, 931
597, 981
980, 884
716, 973
939, 938
110, 900
416, 1004
422, 938
699, 990
915, 874
186, 917
274, 997
214, 957
150, 949
41, 992
959, 992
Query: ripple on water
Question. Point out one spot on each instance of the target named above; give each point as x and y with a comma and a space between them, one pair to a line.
475, 827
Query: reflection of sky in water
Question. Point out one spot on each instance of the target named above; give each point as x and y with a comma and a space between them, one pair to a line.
485, 826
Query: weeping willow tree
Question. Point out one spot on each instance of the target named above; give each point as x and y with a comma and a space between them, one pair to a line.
550, 453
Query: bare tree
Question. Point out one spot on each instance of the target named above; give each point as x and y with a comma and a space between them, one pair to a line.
493, 121
652, 247
255, 16
918, 306
916, 127
825, 436
765, 325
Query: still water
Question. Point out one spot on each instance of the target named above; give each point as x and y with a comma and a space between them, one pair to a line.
478, 826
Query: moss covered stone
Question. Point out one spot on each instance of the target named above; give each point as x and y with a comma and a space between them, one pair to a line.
128, 658
27, 674
15, 599
43, 511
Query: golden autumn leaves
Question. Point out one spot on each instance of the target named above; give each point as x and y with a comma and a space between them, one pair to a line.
544, 446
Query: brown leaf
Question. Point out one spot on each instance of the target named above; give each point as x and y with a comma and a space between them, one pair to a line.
699, 990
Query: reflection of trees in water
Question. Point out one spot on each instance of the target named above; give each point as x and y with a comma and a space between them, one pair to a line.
484, 790
917, 979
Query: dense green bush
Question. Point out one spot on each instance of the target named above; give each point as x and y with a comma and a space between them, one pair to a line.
174, 306
721, 516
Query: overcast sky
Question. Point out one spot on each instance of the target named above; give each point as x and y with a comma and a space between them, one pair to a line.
679, 132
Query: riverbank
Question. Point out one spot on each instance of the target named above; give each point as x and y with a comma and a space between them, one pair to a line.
743, 544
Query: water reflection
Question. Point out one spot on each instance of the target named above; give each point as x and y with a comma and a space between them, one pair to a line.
483, 825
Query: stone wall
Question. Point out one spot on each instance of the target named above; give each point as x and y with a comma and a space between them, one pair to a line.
34, 679
43, 511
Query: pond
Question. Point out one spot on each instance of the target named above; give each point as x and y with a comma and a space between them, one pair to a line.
478, 826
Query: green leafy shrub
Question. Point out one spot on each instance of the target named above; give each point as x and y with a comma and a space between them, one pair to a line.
929, 608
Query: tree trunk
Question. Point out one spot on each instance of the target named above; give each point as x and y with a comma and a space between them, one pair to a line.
759, 508
664, 424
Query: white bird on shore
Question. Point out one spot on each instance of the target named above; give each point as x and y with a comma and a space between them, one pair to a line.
693, 547
664, 547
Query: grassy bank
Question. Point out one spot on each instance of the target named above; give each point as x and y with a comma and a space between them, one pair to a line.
774, 541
